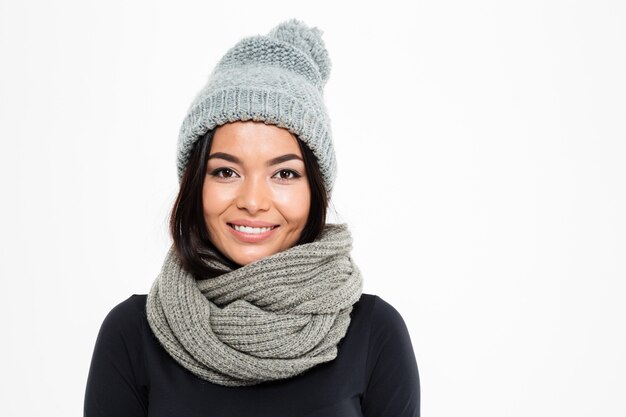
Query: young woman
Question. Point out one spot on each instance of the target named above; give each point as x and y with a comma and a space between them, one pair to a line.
258, 310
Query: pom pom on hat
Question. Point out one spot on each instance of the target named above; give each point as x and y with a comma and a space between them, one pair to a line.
306, 39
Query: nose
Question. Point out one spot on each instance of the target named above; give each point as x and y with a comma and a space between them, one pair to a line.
254, 195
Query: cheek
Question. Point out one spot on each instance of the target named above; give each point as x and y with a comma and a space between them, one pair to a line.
294, 202
214, 201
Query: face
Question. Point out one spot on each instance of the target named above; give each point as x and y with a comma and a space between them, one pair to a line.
256, 196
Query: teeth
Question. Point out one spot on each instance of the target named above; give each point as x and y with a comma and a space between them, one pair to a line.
252, 230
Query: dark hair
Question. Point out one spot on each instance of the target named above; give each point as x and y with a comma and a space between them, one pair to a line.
188, 228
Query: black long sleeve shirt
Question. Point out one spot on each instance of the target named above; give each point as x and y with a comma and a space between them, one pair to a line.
374, 374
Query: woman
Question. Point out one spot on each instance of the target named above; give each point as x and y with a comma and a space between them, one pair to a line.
258, 309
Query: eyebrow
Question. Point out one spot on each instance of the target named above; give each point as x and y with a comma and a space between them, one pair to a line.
273, 161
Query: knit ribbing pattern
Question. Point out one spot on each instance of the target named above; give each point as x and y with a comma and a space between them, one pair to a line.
271, 319
277, 79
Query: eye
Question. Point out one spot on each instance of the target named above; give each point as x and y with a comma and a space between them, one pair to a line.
223, 173
287, 174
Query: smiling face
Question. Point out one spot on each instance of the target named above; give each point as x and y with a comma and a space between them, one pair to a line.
256, 197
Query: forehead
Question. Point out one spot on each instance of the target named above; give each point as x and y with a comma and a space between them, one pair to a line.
254, 139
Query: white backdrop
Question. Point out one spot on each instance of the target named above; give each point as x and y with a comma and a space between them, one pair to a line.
481, 167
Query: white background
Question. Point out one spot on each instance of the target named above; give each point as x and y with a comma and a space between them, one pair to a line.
481, 167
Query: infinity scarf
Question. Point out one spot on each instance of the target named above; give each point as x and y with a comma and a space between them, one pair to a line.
271, 319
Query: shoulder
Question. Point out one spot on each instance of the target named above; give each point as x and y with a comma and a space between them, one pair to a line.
117, 374
381, 314
129, 308
126, 318
387, 328
391, 367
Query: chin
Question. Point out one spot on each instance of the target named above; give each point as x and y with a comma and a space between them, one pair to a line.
248, 258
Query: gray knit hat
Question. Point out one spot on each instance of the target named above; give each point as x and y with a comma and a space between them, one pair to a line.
277, 79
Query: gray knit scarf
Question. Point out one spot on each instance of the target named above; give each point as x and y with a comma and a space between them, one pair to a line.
271, 319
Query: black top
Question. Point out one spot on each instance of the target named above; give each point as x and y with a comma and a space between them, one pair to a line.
374, 374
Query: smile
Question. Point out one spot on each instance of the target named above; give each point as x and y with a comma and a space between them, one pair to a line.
251, 230
248, 234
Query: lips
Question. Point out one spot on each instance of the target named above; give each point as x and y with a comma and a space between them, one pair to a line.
249, 234
251, 223
252, 230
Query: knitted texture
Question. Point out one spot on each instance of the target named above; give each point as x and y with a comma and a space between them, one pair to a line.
267, 320
278, 79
